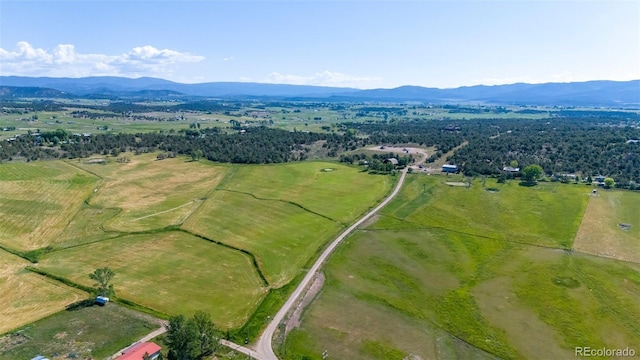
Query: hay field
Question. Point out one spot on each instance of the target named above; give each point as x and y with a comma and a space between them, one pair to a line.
282, 236
600, 232
342, 193
26, 296
403, 287
37, 199
152, 193
548, 214
171, 272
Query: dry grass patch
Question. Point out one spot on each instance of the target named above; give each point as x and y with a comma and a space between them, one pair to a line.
26, 297
152, 193
37, 199
600, 232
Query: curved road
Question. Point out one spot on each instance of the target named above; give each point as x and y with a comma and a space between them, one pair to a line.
263, 349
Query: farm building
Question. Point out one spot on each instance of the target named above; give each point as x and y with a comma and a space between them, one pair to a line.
450, 168
393, 161
510, 169
137, 351
101, 300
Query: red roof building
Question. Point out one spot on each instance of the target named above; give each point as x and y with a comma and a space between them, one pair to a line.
136, 352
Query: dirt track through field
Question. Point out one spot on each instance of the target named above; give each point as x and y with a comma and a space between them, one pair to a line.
165, 211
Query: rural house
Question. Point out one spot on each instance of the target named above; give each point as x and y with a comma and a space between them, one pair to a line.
137, 352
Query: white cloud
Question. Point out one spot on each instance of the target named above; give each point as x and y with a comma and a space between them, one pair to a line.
229, 58
63, 60
325, 78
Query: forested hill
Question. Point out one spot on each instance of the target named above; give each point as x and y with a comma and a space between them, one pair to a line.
616, 94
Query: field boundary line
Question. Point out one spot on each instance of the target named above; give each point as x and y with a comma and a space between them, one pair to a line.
465, 233
164, 211
84, 170
286, 202
253, 258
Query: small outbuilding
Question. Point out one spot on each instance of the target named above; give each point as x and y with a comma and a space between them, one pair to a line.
446, 168
393, 161
511, 169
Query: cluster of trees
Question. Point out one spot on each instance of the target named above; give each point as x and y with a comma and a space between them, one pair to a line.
586, 146
192, 338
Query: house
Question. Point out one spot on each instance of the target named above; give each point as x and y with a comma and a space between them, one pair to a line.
599, 179
102, 300
393, 161
446, 168
510, 169
137, 351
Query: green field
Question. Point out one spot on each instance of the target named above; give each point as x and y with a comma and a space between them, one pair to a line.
333, 190
37, 200
85, 332
548, 214
282, 236
415, 284
171, 272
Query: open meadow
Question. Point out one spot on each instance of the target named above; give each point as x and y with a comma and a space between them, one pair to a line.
26, 297
170, 272
282, 236
332, 190
151, 193
432, 279
183, 235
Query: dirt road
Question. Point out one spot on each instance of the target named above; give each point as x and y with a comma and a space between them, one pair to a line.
263, 349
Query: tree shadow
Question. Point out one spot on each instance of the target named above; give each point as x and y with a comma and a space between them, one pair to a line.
79, 305
528, 183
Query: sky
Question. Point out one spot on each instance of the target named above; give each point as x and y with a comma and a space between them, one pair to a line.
348, 43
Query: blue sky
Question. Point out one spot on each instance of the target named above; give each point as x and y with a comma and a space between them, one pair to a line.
364, 44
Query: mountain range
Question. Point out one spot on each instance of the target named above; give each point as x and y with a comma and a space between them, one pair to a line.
604, 93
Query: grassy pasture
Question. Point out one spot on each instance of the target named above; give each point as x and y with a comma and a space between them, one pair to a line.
26, 296
87, 332
341, 194
171, 272
37, 199
599, 232
548, 214
151, 193
282, 236
406, 287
